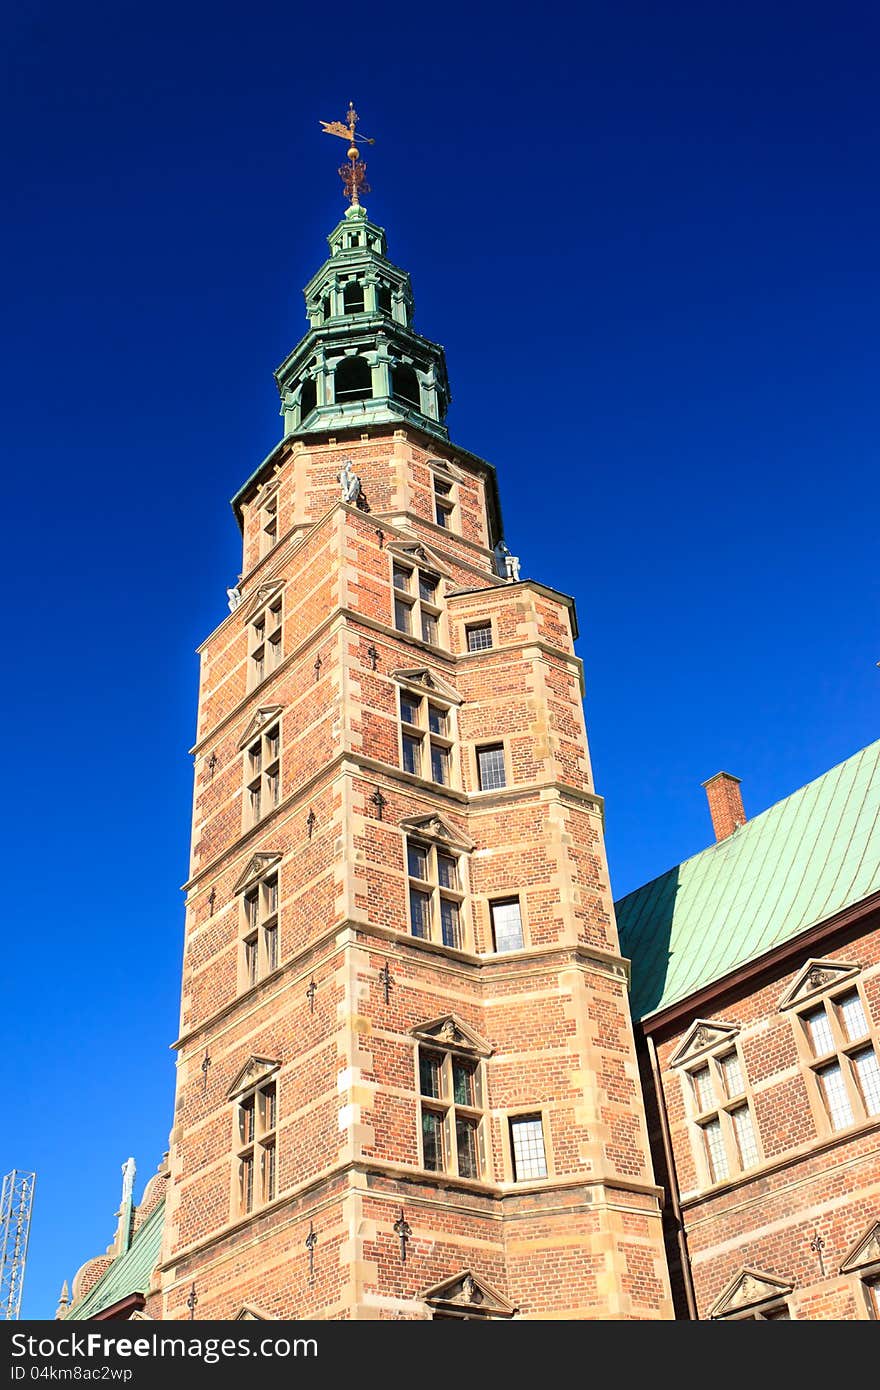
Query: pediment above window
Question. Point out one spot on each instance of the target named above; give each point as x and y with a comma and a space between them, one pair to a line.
140, 1316
249, 1312
255, 1070
438, 830
469, 1294
749, 1289
422, 679
865, 1253
447, 471
263, 716
449, 1031
420, 556
815, 978
704, 1035
258, 865
263, 594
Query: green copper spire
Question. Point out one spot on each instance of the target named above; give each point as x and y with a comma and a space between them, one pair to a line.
361, 362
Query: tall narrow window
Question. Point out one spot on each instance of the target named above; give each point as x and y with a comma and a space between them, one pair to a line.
263, 764
444, 502
256, 1152
268, 523
435, 896
451, 1087
426, 742
719, 1104
265, 642
260, 929
837, 1042
417, 607
507, 929
491, 773
527, 1147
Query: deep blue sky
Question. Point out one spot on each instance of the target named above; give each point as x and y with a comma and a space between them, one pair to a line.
647, 236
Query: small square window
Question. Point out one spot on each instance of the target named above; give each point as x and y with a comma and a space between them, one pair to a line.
402, 579
479, 636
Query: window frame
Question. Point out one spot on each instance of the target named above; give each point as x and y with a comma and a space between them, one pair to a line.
419, 732
503, 901
412, 601
449, 1110
265, 640
259, 927
251, 1151
444, 494
482, 625
827, 1001
262, 773
522, 1114
486, 748
724, 1104
436, 892
268, 523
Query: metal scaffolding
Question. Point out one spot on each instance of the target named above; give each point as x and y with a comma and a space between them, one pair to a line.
16, 1201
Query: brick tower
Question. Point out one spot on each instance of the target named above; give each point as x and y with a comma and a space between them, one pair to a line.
407, 1086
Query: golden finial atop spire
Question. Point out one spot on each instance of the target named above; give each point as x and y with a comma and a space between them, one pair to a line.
353, 174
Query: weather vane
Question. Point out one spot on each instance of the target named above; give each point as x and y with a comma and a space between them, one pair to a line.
354, 173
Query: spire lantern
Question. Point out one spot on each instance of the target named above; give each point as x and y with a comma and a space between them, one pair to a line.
361, 361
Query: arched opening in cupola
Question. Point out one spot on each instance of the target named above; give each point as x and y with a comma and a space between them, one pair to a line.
326, 308
383, 298
405, 385
354, 380
353, 298
308, 398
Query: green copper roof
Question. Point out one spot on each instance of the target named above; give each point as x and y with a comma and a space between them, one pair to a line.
129, 1273
797, 864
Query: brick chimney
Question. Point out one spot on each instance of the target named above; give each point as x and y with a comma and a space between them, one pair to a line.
725, 804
